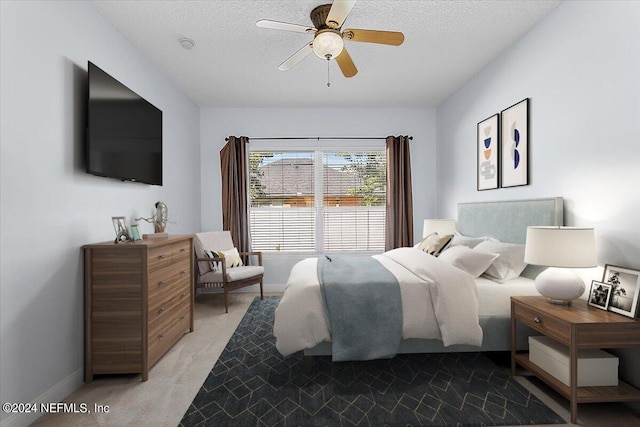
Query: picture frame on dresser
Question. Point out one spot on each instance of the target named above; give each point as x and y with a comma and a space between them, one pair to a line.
625, 288
600, 295
135, 233
514, 145
488, 152
120, 227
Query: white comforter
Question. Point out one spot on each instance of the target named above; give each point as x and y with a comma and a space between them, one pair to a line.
439, 301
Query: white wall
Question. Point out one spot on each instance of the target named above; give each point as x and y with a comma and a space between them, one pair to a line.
49, 206
581, 68
217, 124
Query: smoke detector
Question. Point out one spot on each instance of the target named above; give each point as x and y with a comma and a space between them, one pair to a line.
187, 43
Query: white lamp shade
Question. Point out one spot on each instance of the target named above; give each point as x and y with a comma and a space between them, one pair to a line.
328, 42
440, 226
569, 247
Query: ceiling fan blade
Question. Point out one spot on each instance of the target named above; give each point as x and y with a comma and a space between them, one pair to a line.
338, 13
393, 38
296, 57
275, 25
346, 64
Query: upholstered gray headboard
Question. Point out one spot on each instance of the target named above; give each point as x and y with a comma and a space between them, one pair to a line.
508, 220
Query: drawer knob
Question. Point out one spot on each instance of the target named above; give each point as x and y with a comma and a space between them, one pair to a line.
183, 317
161, 336
163, 256
184, 294
182, 273
162, 282
537, 319
162, 309
183, 250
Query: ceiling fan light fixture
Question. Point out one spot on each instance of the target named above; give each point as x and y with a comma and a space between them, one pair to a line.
328, 43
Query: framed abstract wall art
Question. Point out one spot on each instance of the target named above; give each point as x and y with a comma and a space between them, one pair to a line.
488, 146
514, 147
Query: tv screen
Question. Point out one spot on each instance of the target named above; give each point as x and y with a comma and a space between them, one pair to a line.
124, 132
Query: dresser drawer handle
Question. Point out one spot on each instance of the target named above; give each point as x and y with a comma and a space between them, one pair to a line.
162, 309
183, 273
183, 250
161, 336
162, 282
183, 317
537, 319
184, 294
163, 256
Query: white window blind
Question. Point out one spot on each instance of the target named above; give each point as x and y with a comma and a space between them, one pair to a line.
317, 201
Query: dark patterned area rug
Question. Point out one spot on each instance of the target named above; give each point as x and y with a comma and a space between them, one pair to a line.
253, 385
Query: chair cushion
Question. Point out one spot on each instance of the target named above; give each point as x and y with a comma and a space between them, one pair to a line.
211, 240
233, 274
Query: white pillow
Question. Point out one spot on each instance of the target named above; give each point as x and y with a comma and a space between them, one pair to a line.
467, 259
470, 242
508, 265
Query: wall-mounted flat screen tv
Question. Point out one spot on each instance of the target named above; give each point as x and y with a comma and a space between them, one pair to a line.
124, 132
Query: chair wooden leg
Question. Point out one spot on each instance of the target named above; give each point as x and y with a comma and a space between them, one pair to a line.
261, 294
226, 304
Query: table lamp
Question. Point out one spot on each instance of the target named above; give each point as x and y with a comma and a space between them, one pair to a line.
560, 249
440, 226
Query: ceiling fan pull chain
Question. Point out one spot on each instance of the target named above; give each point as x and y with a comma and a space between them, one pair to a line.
328, 76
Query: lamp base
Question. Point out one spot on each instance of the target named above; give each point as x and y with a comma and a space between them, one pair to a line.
559, 285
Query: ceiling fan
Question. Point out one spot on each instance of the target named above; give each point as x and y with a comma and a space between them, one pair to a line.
328, 36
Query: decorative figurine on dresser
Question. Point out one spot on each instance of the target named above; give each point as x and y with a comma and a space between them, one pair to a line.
159, 220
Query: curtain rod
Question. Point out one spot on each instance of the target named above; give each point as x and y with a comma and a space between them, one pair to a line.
318, 138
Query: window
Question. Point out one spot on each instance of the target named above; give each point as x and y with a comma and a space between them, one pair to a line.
317, 201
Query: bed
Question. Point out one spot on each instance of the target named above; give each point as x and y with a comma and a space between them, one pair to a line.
301, 321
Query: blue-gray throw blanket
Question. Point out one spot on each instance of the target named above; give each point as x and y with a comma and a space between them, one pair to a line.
363, 305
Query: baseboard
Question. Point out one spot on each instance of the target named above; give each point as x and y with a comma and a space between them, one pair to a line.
55, 394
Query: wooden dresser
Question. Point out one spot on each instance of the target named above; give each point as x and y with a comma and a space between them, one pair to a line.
138, 303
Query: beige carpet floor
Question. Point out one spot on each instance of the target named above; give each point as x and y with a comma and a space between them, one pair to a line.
177, 377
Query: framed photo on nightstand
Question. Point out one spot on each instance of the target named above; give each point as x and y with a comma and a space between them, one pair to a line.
600, 295
625, 287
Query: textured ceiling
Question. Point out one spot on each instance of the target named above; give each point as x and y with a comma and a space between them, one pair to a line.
234, 63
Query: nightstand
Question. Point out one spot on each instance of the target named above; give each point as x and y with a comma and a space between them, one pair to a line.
577, 326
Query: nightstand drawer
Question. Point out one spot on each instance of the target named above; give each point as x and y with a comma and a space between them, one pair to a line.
543, 323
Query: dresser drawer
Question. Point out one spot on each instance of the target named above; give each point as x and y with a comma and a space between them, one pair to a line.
163, 280
166, 255
543, 323
167, 307
161, 340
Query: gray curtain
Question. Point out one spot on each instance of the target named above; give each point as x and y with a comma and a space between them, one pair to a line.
399, 218
235, 213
